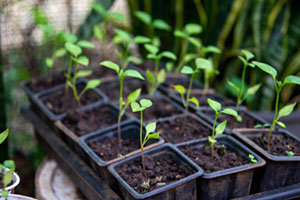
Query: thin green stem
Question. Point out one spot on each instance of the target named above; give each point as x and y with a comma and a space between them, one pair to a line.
182, 54
141, 143
241, 93
190, 88
213, 134
120, 111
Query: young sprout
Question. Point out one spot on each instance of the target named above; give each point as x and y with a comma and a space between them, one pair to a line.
289, 153
152, 25
150, 129
217, 107
131, 98
286, 110
159, 76
100, 31
241, 94
252, 158
125, 41
7, 164
75, 51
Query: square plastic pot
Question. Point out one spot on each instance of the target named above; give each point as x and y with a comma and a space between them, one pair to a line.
184, 189
47, 115
129, 129
279, 171
229, 183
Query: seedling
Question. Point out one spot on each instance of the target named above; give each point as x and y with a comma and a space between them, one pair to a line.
252, 158
289, 153
217, 107
7, 176
150, 129
152, 25
100, 31
241, 94
159, 76
75, 51
286, 110
131, 98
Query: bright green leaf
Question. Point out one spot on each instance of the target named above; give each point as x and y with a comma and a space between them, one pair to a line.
211, 140
150, 76
187, 70
192, 28
180, 34
252, 90
133, 96
146, 103
153, 136
141, 39
133, 73
248, 54
196, 42
10, 164
290, 153
93, 83
151, 48
234, 86
98, 33
150, 127
161, 76
168, 54
7, 178
135, 107
60, 53
111, 65
216, 106
203, 63
83, 60
169, 66
49, 62
125, 36
73, 49
144, 17
68, 37
266, 68
281, 124
244, 61
134, 60
292, 80
221, 128
3, 136
180, 89
195, 101
84, 73
117, 16
230, 111
211, 49
161, 24
85, 44
286, 110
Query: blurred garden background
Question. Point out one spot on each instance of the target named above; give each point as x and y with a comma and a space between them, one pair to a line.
30, 31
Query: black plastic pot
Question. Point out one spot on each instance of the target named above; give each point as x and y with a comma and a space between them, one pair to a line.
228, 183
130, 129
184, 189
189, 115
72, 139
279, 171
209, 114
47, 114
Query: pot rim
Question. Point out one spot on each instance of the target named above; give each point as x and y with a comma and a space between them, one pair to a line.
16, 181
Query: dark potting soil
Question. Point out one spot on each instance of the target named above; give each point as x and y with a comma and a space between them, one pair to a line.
161, 108
177, 130
112, 88
37, 85
161, 170
278, 144
83, 122
223, 158
61, 101
108, 148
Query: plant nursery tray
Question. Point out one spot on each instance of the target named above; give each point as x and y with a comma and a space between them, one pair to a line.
81, 175
94, 187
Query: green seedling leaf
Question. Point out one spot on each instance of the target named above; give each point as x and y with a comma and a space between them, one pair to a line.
262, 125
85, 44
290, 153
195, 101
251, 65
187, 70
146, 103
133, 96
10, 164
49, 62
125, 36
133, 73
244, 61
192, 29
150, 127
111, 65
233, 86
135, 107
68, 37
216, 106
168, 54
150, 76
221, 128
169, 66
266, 68
153, 136
211, 49
152, 56
144, 17
135, 60
151, 48
73, 49
3, 136
84, 73
247, 54
188, 57
60, 53
98, 8
141, 39
156, 41
83, 60
211, 140
229, 111
180, 34
93, 83
161, 24
286, 110
202, 63
161, 76
281, 124
252, 158
117, 16
7, 178
196, 42
292, 80
252, 90
180, 89
98, 33
4, 193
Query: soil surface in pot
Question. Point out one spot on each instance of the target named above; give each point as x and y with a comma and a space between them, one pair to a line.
177, 130
279, 144
60, 101
223, 158
161, 108
108, 148
112, 88
161, 170
83, 122
39, 84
